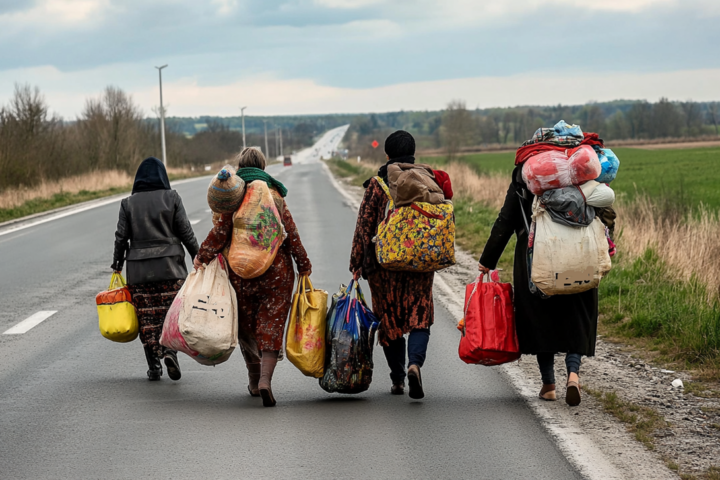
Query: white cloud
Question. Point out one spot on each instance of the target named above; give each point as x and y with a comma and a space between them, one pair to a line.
225, 7
63, 11
346, 3
268, 95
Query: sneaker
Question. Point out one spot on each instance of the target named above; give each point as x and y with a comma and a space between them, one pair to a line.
172, 365
398, 389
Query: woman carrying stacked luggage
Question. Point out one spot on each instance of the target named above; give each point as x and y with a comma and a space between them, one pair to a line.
560, 323
263, 302
401, 300
151, 232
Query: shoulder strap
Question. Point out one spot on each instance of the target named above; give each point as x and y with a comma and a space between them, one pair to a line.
385, 188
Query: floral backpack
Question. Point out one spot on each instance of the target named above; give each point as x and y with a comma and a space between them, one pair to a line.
258, 232
415, 238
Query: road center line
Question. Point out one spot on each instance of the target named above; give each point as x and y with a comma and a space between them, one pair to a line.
30, 322
195, 222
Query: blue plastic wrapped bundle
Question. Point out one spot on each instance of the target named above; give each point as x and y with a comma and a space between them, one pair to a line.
609, 162
349, 349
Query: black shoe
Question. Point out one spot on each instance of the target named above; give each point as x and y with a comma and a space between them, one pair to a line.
172, 365
155, 371
415, 381
398, 389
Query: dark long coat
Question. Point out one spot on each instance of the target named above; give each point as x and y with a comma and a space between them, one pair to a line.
402, 301
561, 323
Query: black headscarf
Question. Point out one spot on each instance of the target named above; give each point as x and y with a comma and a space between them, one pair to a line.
400, 148
151, 175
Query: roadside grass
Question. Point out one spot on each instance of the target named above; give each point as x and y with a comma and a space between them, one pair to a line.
354, 173
641, 421
640, 299
70, 194
682, 176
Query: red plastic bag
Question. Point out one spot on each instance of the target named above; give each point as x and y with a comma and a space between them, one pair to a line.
550, 170
489, 336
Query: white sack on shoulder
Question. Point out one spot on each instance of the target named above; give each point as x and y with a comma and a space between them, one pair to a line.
602, 196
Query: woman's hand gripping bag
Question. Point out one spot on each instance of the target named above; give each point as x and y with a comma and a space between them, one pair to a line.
488, 336
117, 317
202, 321
305, 340
258, 232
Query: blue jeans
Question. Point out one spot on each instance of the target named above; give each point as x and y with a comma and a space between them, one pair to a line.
416, 349
546, 362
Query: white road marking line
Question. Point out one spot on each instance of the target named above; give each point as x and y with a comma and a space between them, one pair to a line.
67, 213
195, 222
30, 322
208, 211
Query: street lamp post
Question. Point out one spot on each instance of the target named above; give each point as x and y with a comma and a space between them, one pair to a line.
162, 118
267, 150
242, 112
281, 150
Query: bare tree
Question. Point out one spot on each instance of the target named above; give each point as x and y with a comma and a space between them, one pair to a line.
714, 115
457, 126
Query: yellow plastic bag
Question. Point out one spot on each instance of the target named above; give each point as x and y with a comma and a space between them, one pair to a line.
118, 319
305, 340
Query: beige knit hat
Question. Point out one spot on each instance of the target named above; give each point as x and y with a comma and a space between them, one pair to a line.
226, 191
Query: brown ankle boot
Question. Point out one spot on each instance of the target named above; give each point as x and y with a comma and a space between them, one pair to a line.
267, 362
253, 378
547, 392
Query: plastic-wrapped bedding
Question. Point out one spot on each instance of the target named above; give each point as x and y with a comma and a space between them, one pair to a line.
609, 164
555, 169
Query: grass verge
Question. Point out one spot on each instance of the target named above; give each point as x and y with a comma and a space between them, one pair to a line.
64, 199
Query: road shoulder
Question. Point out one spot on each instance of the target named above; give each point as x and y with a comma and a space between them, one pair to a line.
595, 443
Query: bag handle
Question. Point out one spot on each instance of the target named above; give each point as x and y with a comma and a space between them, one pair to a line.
116, 281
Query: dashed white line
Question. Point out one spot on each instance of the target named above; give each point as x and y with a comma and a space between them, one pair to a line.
30, 322
195, 222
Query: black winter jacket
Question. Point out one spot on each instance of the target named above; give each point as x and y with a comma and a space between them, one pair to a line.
151, 230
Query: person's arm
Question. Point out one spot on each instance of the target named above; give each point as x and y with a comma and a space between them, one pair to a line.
183, 229
365, 229
217, 238
122, 239
502, 231
297, 250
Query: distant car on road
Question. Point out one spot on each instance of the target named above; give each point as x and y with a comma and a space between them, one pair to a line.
287, 161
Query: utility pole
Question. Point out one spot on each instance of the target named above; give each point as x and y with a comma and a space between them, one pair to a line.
276, 143
242, 111
267, 151
162, 118
281, 151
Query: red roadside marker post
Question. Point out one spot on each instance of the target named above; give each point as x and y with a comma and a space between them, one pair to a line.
375, 144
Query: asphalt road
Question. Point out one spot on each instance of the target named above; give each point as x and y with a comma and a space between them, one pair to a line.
75, 405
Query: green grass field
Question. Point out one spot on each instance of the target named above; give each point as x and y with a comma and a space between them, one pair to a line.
686, 176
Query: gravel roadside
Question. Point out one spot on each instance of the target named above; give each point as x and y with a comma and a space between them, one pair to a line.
689, 437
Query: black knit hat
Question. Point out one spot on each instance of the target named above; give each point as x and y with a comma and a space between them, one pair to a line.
400, 144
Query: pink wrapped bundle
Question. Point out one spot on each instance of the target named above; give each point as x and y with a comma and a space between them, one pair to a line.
554, 169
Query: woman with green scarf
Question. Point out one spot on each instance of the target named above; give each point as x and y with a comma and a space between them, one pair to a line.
263, 302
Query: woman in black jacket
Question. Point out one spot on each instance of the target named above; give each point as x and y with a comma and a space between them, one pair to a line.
151, 231
560, 323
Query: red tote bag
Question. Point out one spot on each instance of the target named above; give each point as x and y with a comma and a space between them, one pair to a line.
489, 336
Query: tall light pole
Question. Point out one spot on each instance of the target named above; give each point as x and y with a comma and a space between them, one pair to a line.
281, 152
276, 142
162, 117
267, 150
242, 112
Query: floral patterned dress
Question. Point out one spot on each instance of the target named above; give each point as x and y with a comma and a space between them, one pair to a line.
402, 301
263, 302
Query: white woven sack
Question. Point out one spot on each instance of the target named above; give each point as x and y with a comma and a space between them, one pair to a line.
568, 260
208, 322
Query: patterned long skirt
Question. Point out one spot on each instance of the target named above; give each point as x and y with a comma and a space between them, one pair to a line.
152, 302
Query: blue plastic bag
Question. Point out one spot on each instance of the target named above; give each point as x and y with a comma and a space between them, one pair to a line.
609, 162
563, 129
350, 338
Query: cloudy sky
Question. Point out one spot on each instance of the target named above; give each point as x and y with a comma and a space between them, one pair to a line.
326, 56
